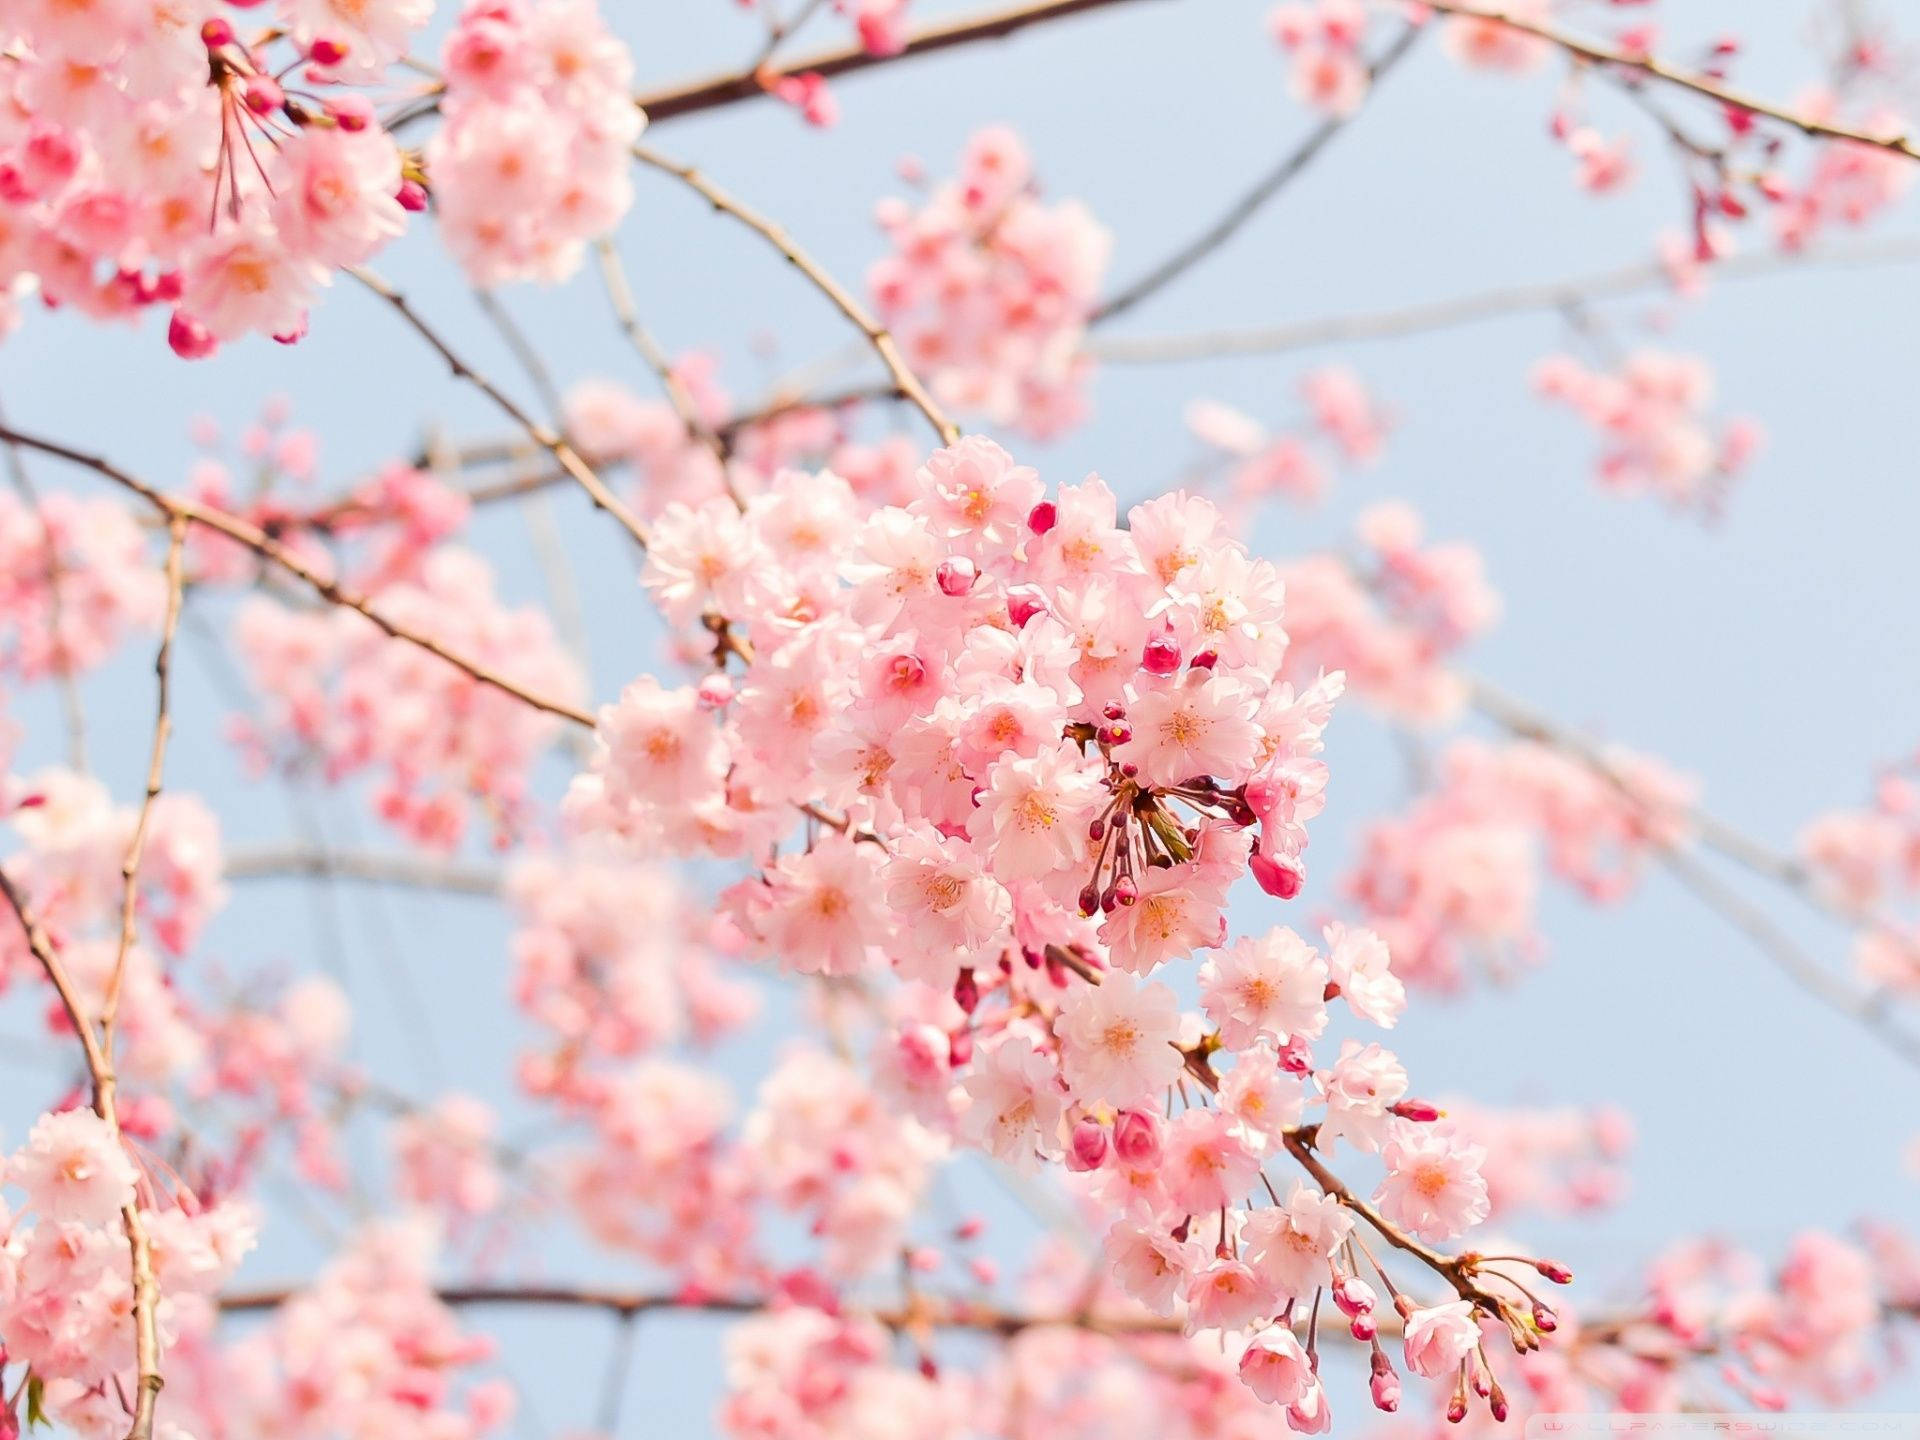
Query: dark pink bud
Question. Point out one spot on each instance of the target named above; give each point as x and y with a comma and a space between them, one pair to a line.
1088, 1149
1497, 1402
1161, 656
959, 1048
1023, 604
1295, 1057
1456, 1409
1554, 1271
1089, 900
1113, 710
215, 33
1118, 733
351, 111
956, 575
1137, 1137
1205, 660
412, 196
1043, 517
966, 991
189, 338
263, 94
1422, 1110
1278, 880
1097, 830
1125, 892
1544, 1320
1364, 1327
325, 51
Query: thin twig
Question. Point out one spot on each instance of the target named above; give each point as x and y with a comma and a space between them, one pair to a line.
408, 871
542, 435
1291, 165
620, 296
253, 539
1468, 309
877, 335
72, 710
1593, 52
156, 774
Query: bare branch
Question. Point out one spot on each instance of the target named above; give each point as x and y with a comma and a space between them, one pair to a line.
877, 335
1291, 165
416, 872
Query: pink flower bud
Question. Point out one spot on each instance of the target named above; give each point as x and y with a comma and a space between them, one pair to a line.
1295, 1056
326, 51
215, 33
1544, 1320
956, 575
1161, 656
189, 338
1043, 517
1023, 604
1554, 1271
1354, 1296
351, 111
1421, 1110
1088, 1150
1385, 1386
1137, 1137
1205, 660
1364, 1326
412, 196
263, 94
1278, 880
715, 692
966, 991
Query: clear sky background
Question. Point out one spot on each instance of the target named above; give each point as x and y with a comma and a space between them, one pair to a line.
1771, 654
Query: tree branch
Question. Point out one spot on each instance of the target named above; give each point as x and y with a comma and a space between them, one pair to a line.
1247, 206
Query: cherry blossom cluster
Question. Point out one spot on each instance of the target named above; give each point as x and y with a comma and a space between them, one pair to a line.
1456, 878
338, 693
531, 162
1390, 617
989, 289
1652, 419
75, 581
1868, 859
1343, 425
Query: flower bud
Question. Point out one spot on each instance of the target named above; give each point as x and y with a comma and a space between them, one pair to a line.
1385, 1386
189, 338
1023, 603
1205, 660
1354, 1296
215, 33
1364, 1326
263, 94
1043, 517
956, 575
1161, 655
1088, 1148
966, 991
1554, 1271
1281, 881
326, 51
352, 111
1544, 1320
412, 196
1421, 1110
1137, 1137
715, 692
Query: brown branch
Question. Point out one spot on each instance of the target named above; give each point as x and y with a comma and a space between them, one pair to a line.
877, 335
156, 773
542, 435
252, 538
1291, 165
620, 296
1592, 52
690, 97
